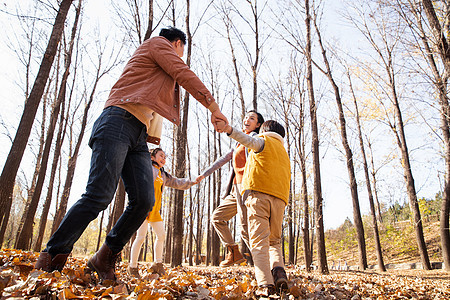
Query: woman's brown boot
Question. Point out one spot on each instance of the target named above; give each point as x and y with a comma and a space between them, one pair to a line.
233, 256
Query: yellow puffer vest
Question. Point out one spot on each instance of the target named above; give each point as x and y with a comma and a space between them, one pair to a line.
268, 171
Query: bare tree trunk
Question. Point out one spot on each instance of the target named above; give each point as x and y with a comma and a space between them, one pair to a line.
15, 155
71, 164
313, 226
38, 165
198, 247
318, 201
209, 226
25, 233
149, 31
410, 187
215, 242
191, 229
32, 188
180, 168
255, 65
376, 234
56, 156
349, 157
304, 186
374, 181
119, 206
191, 213
100, 231
170, 211
235, 66
441, 86
386, 54
291, 237
291, 218
438, 33
198, 250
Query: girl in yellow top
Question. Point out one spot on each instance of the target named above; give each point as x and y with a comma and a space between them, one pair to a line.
161, 179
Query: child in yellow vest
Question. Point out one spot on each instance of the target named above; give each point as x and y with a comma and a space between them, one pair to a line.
265, 188
160, 179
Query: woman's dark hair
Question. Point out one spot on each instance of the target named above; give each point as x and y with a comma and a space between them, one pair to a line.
260, 119
173, 34
273, 126
155, 151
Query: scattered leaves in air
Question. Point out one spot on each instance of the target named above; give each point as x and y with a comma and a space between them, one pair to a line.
18, 279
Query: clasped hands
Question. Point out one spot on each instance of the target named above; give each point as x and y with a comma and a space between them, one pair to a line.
219, 121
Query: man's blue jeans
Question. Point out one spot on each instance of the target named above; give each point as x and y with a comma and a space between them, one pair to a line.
119, 148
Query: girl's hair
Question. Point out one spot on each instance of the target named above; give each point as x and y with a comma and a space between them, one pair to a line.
155, 151
260, 119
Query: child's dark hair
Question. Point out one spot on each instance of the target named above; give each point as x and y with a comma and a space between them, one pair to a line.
173, 34
260, 119
155, 151
273, 126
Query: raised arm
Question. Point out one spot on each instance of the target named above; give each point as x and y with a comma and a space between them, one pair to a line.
177, 183
251, 142
215, 166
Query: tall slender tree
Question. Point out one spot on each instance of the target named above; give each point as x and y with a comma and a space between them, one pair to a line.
376, 234
348, 151
25, 233
180, 158
318, 201
302, 158
385, 49
15, 155
56, 157
443, 50
72, 162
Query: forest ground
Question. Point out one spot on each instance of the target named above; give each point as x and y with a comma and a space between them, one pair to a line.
18, 279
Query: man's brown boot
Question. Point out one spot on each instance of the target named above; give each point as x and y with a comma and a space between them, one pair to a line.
104, 263
233, 256
46, 263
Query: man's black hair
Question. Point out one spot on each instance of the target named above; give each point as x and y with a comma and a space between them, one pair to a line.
273, 126
173, 34
260, 119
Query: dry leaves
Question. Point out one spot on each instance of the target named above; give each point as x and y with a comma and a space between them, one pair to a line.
18, 279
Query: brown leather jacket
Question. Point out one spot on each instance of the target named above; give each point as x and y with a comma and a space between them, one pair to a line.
151, 77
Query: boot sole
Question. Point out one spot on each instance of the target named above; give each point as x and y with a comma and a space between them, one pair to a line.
92, 267
282, 284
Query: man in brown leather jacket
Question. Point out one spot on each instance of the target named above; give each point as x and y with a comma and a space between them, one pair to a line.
146, 90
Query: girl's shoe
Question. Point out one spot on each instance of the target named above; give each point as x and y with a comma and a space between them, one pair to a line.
134, 272
158, 268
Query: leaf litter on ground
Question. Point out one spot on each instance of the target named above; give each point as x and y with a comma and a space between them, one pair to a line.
19, 280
